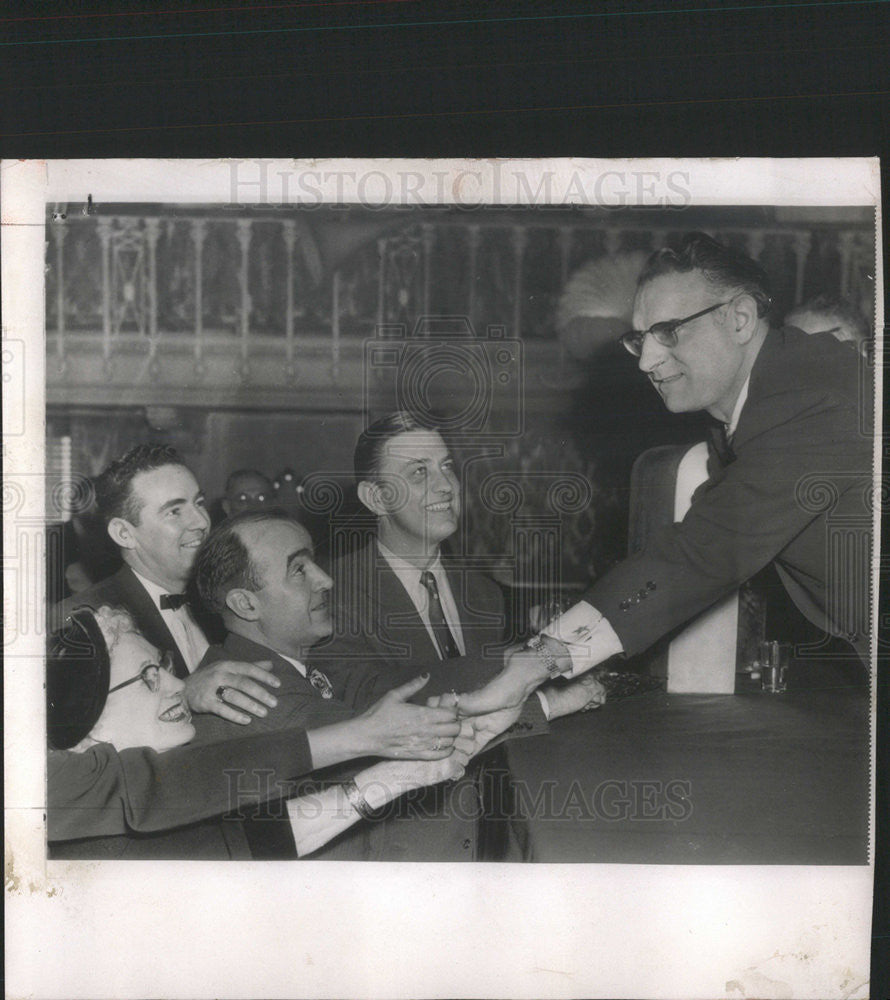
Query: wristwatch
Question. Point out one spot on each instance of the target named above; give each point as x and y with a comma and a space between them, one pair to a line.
550, 662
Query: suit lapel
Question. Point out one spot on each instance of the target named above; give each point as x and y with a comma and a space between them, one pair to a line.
395, 611
240, 648
148, 618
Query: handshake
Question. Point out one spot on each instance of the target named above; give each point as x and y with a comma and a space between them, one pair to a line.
487, 713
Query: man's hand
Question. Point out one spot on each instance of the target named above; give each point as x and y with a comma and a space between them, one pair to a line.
477, 731
524, 671
580, 695
393, 728
243, 685
431, 772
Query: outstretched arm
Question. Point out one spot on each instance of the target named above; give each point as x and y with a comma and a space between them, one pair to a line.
318, 817
102, 792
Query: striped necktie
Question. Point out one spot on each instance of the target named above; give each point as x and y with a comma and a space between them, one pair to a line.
444, 639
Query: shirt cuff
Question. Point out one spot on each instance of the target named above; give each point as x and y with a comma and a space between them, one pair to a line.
589, 638
545, 705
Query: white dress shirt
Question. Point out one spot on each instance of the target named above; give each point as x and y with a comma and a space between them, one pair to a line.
296, 664
186, 632
737, 410
409, 576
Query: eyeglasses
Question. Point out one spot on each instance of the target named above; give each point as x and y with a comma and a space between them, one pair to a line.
150, 675
664, 333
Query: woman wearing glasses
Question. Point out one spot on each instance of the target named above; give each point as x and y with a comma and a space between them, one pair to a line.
107, 685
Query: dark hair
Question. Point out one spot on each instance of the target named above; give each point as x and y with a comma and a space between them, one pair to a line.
223, 562
837, 311
77, 677
371, 442
721, 266
114, 486
240, 473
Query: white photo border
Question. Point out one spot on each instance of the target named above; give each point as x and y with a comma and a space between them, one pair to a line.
200, 929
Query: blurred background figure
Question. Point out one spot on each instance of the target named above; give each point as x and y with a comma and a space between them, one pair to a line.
832, 314
287, 491
246, 489
289, 494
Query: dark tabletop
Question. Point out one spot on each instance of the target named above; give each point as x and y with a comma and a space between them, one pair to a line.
700, 779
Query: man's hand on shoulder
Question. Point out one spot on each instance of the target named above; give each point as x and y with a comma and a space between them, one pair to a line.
232, 688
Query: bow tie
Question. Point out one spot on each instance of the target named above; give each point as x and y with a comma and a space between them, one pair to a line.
173, 601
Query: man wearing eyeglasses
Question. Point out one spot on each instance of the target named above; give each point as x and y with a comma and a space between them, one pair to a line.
786, 452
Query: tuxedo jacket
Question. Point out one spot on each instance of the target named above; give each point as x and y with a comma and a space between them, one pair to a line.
794, 490
123, 590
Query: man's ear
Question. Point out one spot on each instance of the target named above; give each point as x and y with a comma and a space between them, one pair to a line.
121, 533
370, 495
743, 316
243, 603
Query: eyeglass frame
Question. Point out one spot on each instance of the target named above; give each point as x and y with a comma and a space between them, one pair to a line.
166, 663
665, 332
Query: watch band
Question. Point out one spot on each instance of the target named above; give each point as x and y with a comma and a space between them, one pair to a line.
549, 660
358, 802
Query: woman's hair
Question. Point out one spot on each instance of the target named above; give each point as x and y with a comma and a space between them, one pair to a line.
114, 622
78, 672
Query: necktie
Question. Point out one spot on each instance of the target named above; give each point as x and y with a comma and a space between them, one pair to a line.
444, 639
722, 444
173, 602
320, 682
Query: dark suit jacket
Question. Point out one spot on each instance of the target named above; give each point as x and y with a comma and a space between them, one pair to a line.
142, 804
375, 622
123, 590
103, 792
801, 472
267, 828
300, 705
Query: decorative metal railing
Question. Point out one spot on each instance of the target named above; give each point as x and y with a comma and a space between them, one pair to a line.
247, 283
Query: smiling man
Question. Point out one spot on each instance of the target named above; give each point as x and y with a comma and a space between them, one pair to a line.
787, 456
155, 512
258, 571
403, 604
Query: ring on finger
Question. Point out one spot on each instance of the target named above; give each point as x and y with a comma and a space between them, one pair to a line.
437, 745
221, 692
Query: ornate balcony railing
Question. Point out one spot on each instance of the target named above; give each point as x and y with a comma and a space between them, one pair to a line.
171, 299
